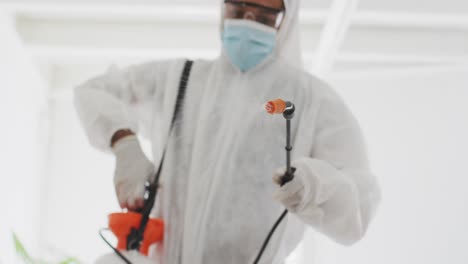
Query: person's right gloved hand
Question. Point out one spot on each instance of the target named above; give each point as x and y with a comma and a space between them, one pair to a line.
132, 171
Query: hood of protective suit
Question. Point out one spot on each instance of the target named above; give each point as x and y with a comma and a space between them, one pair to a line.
288, 45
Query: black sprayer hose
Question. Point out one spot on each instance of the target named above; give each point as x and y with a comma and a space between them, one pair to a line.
124, 259
270, 234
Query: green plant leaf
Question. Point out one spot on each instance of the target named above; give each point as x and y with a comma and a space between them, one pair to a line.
21, 251
27, 259
70, 261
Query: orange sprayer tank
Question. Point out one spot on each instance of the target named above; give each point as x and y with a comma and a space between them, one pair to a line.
122, 223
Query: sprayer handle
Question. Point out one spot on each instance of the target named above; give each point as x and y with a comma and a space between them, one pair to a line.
288, 176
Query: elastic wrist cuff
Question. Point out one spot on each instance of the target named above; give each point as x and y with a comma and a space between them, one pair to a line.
124, 141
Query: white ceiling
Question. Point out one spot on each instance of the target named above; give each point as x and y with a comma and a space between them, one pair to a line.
64, 34
439, 6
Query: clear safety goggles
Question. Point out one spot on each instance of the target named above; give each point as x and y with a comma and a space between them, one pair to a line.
268, 16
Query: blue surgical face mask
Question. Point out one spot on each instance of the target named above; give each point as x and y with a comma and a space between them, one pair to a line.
247, 43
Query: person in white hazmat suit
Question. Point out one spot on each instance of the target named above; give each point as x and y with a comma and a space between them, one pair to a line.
216, 193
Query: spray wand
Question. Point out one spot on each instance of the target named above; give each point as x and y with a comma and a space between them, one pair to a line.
286, 108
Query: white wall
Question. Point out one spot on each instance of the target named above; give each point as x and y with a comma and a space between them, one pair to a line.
79, 193
22, 96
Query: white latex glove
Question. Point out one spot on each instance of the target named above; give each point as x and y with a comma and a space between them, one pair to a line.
132, 170
325, 198
292, 194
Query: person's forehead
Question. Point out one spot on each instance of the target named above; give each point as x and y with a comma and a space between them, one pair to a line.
269, 3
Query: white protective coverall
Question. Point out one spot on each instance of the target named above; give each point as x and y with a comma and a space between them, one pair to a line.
216, 194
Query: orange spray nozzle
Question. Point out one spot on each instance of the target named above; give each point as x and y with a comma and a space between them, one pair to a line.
275, 107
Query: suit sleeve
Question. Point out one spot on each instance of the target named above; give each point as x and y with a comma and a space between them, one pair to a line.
119, 99
339, 192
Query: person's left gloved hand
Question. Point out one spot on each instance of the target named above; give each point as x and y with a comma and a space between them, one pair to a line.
292, 194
